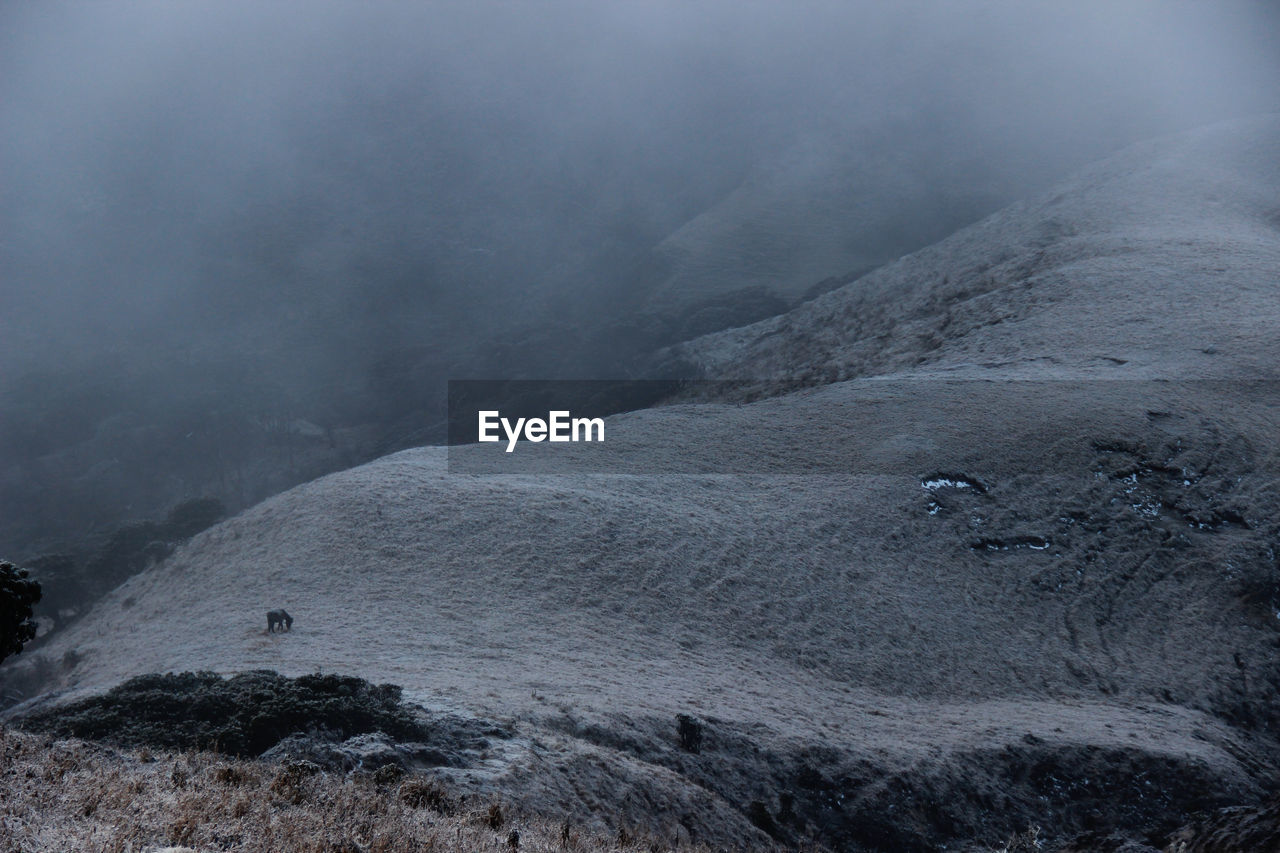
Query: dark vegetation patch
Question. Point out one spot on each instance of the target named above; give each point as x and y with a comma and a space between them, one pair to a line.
690, 732
1231, 829
243, 715
822, 792
72, 582
18, 594
759, 815
1065, 789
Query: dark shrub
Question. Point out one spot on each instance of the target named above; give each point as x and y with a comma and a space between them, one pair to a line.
243, 715
426, 794
17, 596
758, 814
690, 731
388, 774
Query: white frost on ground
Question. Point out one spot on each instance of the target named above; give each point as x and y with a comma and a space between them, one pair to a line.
820, 607
1158, 262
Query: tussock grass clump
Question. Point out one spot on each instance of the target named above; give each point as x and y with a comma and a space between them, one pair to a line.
421, 793
58, 795
243, 715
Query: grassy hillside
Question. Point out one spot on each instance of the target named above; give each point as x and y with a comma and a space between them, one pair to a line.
1013, 562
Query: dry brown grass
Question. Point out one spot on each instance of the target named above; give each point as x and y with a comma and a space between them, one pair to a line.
58, 795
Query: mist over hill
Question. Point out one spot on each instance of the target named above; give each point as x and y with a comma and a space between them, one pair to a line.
247, 244
968, 526
998, 570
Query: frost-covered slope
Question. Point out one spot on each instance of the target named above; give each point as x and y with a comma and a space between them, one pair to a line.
1161, 261
922, 610
610, 585
904, 644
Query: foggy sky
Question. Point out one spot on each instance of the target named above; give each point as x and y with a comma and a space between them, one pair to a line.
313, 181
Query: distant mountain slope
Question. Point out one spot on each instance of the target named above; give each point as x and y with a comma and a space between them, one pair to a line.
1162, 259
910, 612
820, 208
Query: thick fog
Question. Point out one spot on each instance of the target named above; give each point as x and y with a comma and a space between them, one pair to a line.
224, 216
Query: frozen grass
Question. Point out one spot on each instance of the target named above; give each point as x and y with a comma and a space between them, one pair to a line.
849, 614
58, 795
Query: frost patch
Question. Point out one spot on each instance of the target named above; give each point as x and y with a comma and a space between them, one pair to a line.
937, 481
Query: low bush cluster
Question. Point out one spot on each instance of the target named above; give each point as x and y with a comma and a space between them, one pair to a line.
243, 715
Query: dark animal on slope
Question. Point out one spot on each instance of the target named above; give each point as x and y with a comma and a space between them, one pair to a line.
279, 619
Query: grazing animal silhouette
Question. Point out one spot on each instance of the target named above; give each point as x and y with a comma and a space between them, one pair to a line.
279, 619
